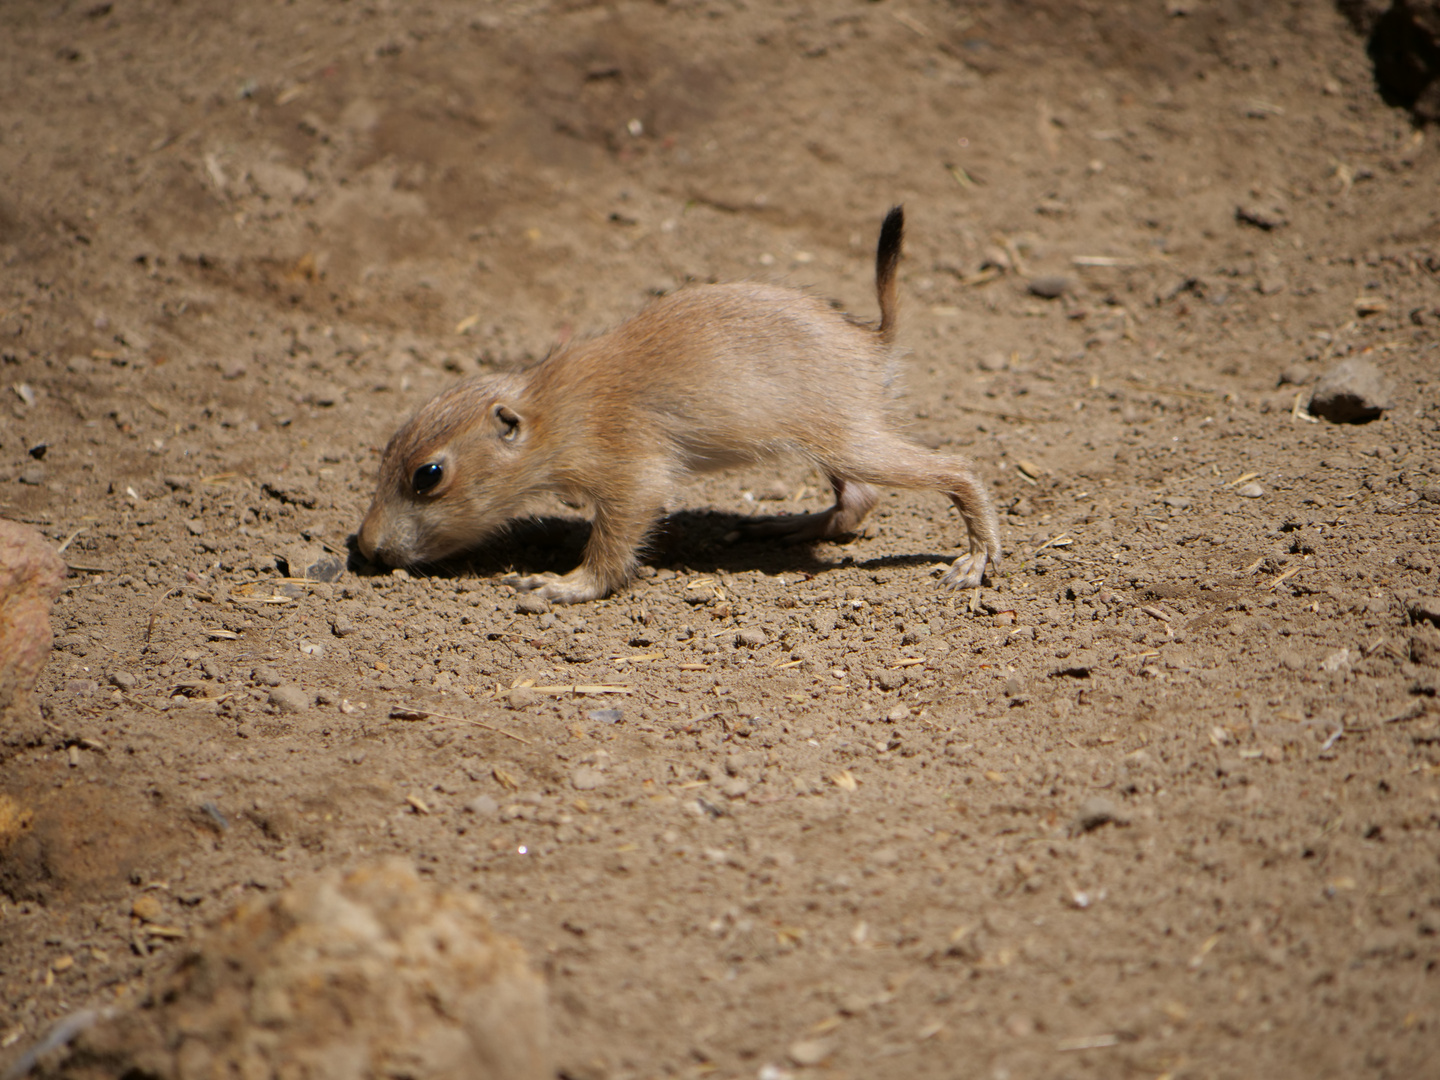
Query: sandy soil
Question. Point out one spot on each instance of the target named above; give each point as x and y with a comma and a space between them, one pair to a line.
1161, 800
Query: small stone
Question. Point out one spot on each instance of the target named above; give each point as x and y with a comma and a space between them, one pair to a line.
605, 716
531, 604
898, 713
1296, 375
890, 680
586, 779
1337, 661
1252, 490
196, 527
735, 787
147, 908
342, 626
1352, 392
809, 1052
751, 637
289, 699
267, 676
1096, 811
1014, 687
32, 474
521, 697
1050, 286
1177, 502
995, 361
1267, 216
482, 806
325, 568
124, 680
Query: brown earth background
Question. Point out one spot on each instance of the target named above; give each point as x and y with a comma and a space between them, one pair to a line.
1163, 800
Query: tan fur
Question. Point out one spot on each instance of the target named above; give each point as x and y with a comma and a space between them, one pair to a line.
708, 377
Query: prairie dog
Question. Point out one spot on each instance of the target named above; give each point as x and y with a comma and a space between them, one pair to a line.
702, 379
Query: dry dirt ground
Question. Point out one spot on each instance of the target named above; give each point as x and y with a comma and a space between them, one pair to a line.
1162, 800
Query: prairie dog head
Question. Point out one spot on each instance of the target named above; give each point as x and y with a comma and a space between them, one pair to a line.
452, 475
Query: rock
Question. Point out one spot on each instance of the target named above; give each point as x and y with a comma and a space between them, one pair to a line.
605, 716
1351, 392
33, 475
1094, 812
196, 527
1252, 490
898, 713
751, 637
147, 908
1339, 660
531, 604
890, 680
1296, 375
586, 779
1263, 215
123, 680
342, 626
267, 676
31, 577
289, 699
482, 806
1425, 609
373, 973
1050, 286
808, 1052
996, 361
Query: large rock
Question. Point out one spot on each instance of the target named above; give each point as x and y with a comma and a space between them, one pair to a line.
372, 974
31, 577
1351, 392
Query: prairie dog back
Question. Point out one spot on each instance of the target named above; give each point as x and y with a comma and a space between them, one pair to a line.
704, 378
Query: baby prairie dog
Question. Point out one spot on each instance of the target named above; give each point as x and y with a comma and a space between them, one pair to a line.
705, 378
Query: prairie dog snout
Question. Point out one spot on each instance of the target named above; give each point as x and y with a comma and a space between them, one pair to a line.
707, 377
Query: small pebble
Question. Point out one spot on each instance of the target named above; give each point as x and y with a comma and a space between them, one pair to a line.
1096, 811
267, 676
751, 637
531, 604
342, 626
996, 361
289, 699
605, 716
586, 779
32, 474
482, 806
1050, 286
147, 908
808, 1052
124, 680
1252, 490
196, 527
898, 713
890, 680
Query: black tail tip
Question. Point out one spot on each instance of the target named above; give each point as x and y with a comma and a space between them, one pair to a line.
893, 227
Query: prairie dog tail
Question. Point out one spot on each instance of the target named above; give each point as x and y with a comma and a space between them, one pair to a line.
887, 259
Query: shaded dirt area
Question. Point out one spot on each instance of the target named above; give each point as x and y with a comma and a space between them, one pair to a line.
1162, 799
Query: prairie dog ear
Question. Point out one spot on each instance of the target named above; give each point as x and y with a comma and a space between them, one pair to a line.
507, 422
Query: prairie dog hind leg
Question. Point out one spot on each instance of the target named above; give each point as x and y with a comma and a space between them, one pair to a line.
887, 460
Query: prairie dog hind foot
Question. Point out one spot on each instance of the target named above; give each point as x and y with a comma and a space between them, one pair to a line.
575, 587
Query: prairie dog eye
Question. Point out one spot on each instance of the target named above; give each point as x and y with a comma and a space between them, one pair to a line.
426, 477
